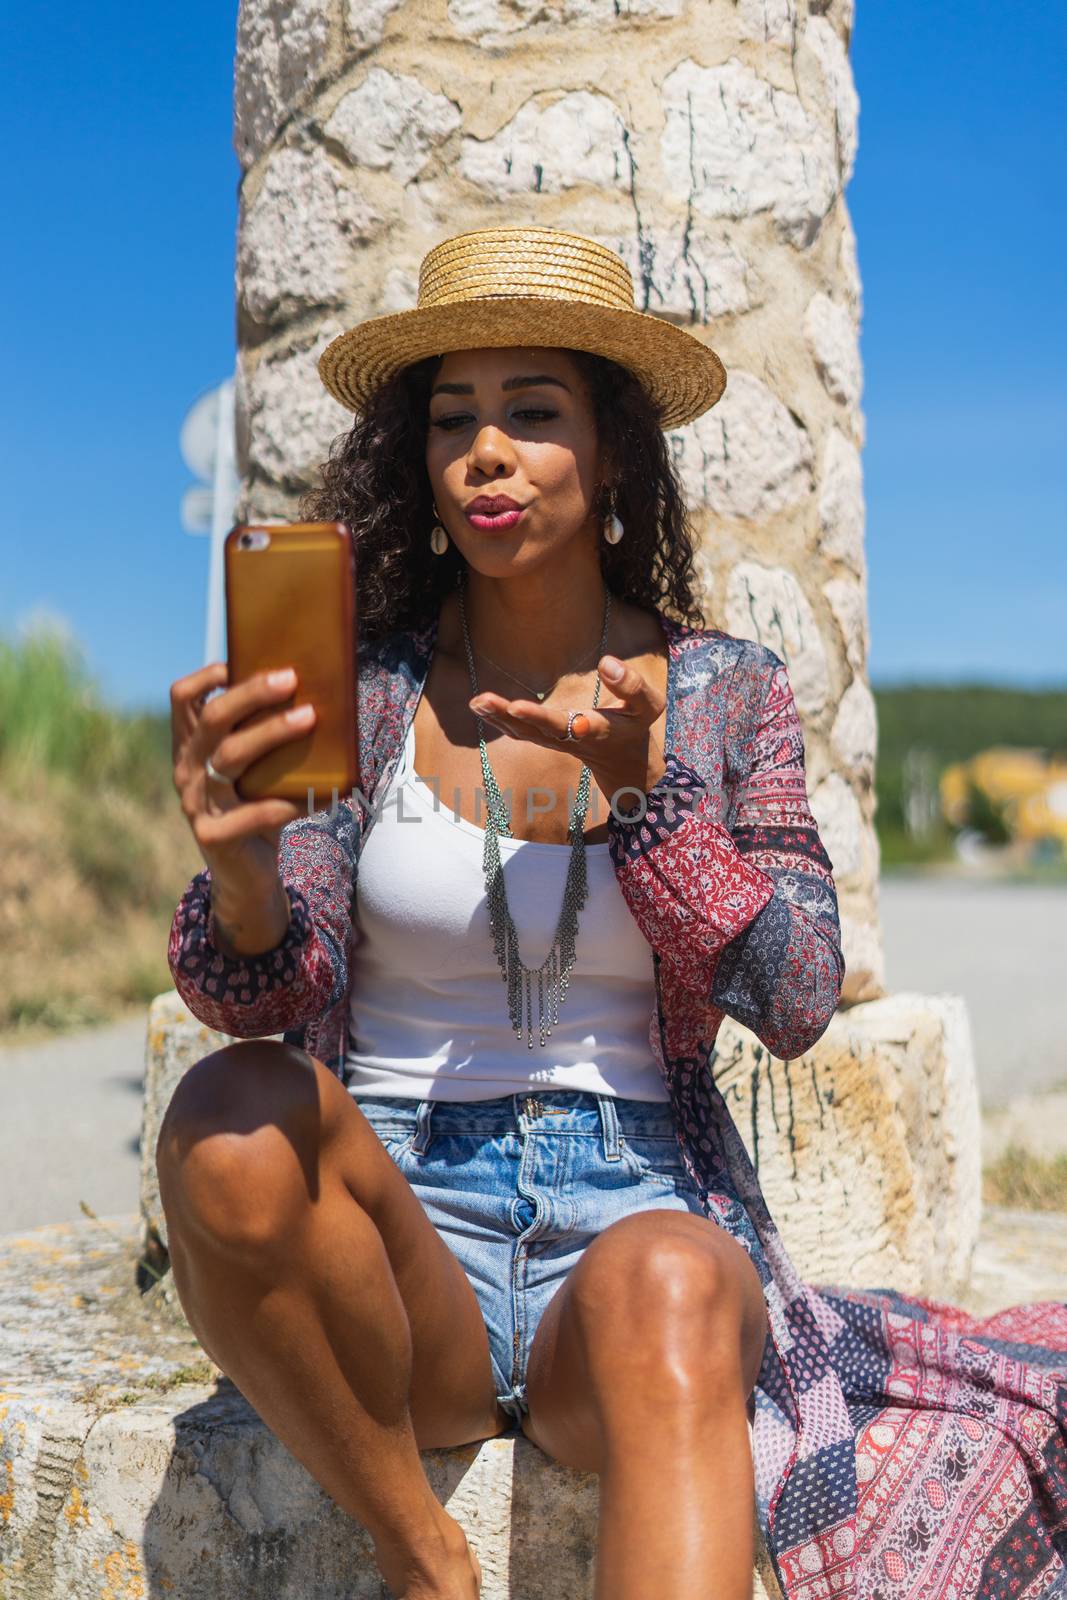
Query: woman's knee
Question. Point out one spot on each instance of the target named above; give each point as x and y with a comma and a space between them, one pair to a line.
238, 1149
667, 1285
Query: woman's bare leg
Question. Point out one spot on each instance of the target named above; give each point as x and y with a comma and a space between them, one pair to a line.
314, 1279
640, 1370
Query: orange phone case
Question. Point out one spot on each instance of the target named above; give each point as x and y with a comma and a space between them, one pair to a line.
291, 602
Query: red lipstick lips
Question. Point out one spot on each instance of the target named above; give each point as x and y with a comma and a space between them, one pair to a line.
491, 503
494, 511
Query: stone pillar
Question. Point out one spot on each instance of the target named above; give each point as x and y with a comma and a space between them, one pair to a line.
709, 145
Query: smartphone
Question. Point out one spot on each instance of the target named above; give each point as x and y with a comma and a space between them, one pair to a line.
291, 602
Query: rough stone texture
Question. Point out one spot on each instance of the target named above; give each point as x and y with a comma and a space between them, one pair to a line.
748, 457
296, 237
490, 24
710, 147
848, 602
768, 21
841, 509
288, 412
833, 59
550, 146
392, 122
367, 20
700, 275
868, 1146
768, 604
734, 145
849, 272
855, 731
831, 333
129, 1467
280, 50
836, 810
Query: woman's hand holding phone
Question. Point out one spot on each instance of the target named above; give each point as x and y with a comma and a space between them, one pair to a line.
238, 839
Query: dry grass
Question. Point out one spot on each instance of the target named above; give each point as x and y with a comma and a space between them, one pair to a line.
1032, 1183
88, 887
96, 852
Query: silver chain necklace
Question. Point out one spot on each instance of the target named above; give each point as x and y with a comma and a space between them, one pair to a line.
553, 975
540, 693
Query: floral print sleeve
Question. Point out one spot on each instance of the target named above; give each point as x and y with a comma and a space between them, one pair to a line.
283, 988
744, 916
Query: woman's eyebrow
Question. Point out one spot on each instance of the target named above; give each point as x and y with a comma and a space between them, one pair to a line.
508, 383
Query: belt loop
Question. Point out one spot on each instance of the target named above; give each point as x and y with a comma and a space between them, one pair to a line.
423, 1127
609, 1122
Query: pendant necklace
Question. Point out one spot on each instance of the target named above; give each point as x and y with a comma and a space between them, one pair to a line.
553, 975
540, 693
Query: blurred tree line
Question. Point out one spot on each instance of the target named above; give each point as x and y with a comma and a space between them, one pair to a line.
922, 729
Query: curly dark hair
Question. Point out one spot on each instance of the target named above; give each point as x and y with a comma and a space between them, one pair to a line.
375, 480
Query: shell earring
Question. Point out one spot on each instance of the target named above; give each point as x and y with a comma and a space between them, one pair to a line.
613, 529
438, 536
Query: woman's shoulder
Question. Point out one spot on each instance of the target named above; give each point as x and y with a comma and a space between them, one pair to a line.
706, 646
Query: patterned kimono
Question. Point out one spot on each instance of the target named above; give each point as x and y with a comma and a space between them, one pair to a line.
904, 1450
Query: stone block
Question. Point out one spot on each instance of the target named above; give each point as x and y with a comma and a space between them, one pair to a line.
734, 145
834, 342
281, 45
296, 238
749, 457
867, 1147
130, 1467
284, 439
841, 510
551, 146
392, 122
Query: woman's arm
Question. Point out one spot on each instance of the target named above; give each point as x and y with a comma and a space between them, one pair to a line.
283, 988
746, 917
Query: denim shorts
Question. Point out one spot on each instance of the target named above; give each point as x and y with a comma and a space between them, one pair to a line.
519, 1185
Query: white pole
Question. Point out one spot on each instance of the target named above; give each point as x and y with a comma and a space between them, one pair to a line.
225, 487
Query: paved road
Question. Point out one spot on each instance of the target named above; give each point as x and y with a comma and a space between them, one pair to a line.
70, 1110
70, 1125
1004, 948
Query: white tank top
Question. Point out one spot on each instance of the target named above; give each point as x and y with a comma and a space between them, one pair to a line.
428, 1013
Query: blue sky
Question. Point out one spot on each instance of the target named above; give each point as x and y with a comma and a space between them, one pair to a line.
121, 204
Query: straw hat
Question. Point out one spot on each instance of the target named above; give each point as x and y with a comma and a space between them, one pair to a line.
527, 285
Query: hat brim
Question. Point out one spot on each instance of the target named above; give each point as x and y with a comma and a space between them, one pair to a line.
683, 376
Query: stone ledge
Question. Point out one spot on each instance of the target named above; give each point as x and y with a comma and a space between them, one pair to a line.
130, 1467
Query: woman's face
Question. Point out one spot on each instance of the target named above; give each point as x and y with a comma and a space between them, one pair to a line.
515, 422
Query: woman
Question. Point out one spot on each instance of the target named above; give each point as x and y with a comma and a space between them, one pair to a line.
479, 1184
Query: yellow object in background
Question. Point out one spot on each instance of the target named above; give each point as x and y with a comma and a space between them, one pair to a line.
1027, 787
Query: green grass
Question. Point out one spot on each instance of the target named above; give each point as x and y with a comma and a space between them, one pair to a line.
53, 722
899, 849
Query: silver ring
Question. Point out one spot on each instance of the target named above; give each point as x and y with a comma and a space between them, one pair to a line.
213, 772
568, 737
